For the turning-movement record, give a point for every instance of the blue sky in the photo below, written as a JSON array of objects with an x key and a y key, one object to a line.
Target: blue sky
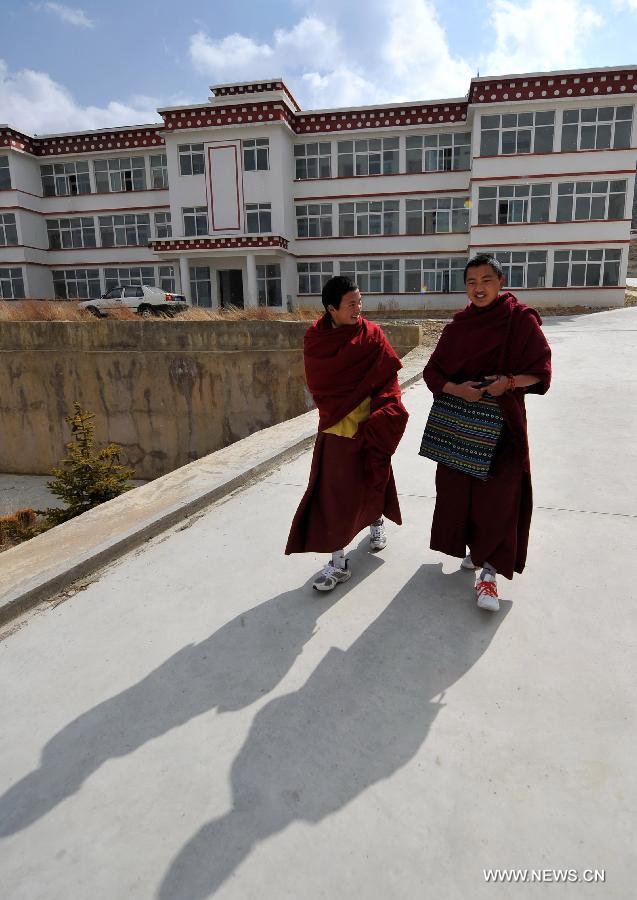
[{"x": 87, "y": 64}]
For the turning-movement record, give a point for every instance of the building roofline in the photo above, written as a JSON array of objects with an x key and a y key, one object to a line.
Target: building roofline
[
  {"x": 446, "y": 101},
  {"x": 595, "y": 70}
]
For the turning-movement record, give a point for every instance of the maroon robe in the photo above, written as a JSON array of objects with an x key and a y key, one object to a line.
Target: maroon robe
[
  {"x": 492, "y": 518},
  {"x": 351, "y": 480}
]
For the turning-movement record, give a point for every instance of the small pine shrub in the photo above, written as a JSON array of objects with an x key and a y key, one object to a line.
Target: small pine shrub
[{"x": 86, "y": 477}]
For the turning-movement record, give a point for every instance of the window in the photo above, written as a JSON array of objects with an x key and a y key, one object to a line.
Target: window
[
  {"x": 529, "y": 132},
  {"x": 73, "y": 284},
  {"x": 586, "y": 268},
  {"x": 5, "y": 173},
  {"x": 167, "y": 278},
  {"x": 376, "y": 156},
  {"x": 258, "y": 218},
  {"x": 163, "y": 226},
  {"x": 127, "y": 173},
  {"x": 63, "y": 179},
  {"x": 523, "y": 269},
  {"x": 508, "y": 204},
  {"x": 66, "y": 233},
  {"x": 256, "y": 154},
  {"x": 379, "y": 276},
  {"x": 439, "y": 152},
  {"x": 191, "y": 159},
  {"x": 200, "y": 287},
  {"x": 597, "y": 129},
  {"x": 128, "y": 230},
  {"x": 11, "y": 284},
  {"x": 313, "y": 160},
  {"x": 269, "y": 285},
  {"x": 583, "y": 200},
  {"x": 313, "y": 275},
  {"x": 8, "y": 230},
  {"x": 441, "y": 275},
  {"x": 368, "y": 217},
  {"x": 158, "y": 171},
  {"x": 195, "y": 220},
  {"x": 437, "y": 215},
  {"x": 314, "y": 220},
  {"x": 137, "y": 275}
]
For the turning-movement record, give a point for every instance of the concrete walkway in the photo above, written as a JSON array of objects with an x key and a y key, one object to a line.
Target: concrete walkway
[{"x": 196, "y": 721}]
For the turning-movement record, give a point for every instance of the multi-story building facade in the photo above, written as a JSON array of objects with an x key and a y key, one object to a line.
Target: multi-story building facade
[{"x": 247, "y": 199}]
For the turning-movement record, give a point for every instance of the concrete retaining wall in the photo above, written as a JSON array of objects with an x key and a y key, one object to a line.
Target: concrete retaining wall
[{"x": 167, "y": 391}]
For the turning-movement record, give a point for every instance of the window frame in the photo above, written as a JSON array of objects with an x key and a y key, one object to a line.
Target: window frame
[
  {"x": 589, "y": 259},
  {"x": 75, "y": 277},
  {"x": 580, "y": 197},
  {"x": 268, "y": 283},
  {"x": 447, "y": 274},
  {"x": 197, "y": 279},
  {"x": 453, "y": 209},
  {"x": 73, "y": 232},
  {"x": 72, "y": 176},
  {"x": 122, "y": 226},
  {"x": 585, "y": 123},
  {"x": 8, "y": 229},
  {"x": 163, "y": 229},
  {"x": 509, "y": 131},
  {"x": 258, "y": 218},
  {"x": 530, "y": 196},
  {"x": 367, "y": 273},
  {"x": 192, "y": 157},
  {"x": 199, "y": 217},
  {"x": 5, "y": 167},
  {"x": 321, "y": 160},
  {"x": 316, "y": 273},
  {"x": 11, "y": 283},
  {"x": 256, "y": 154},
  {"x": 120, "y": 174},
  {"x": 368, "y": 218},
  {"x": 446, "y": 149},
  {"x": 384, "y": 154},
  {"x": 318, "y": 219},
  {"x": 161, "y": 168},
  {"x": 114, "y": 276}
]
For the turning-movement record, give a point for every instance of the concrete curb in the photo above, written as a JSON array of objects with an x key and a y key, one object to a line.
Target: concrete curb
[{"x": 53, "y": 561}]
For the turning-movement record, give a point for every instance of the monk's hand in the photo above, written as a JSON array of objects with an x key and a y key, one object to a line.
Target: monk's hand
[
  {"x": 499, "y": 386},
  {"x": 468, "y": 391}
]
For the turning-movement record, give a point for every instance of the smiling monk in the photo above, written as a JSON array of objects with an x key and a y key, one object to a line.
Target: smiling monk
[
  {"x": 492, "y": 518},
  {"x": 351, "y": 371}
]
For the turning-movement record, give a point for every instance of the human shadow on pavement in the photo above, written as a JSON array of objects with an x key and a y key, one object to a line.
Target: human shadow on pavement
[
  {"x": 237, "y": 665},
  {"x": 361, "y": 716}
]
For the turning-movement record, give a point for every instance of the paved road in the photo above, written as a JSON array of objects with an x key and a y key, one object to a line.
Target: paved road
[{"x": 197, "y": 722}]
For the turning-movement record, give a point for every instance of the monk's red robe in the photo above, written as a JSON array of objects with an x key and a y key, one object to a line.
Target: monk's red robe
[
  {"x": 492, "y": 518},
  {"x": 351, "y": 480}
]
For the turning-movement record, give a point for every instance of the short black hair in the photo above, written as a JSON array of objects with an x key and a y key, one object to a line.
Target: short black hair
[
  {"x": 483, "y": 259},
  {"x": 335, "y": 289}
]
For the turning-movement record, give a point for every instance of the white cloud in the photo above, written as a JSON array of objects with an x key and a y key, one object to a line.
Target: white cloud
[
  {"x": 33, "y": 102},
  {"x": 541, "y": 35},
  {"x": 68, "y": 14},
  {"x": 406, "y": 58}
]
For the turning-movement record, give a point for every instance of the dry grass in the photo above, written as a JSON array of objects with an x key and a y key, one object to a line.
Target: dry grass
[
  {"x": 69, "y": 311},
  {"x": 21, "y": 526},
  {"x": 631, "y": 298}
]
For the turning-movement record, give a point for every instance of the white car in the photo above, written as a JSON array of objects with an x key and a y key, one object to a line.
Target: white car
[{"x": 144, "y": 298}]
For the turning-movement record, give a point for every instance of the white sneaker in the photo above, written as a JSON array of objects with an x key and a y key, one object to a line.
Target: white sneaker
[
  {"x": 377, "y": 536},
  {"x": 467, "y": 563},
  {"x": 330, "y": 576},
  {"x": 487, "y": 593}
]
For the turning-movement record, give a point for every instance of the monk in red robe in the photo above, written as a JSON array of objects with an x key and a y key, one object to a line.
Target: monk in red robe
[
  {"x": 351, "y": 371},
  {"x": 492, "y": 518}
]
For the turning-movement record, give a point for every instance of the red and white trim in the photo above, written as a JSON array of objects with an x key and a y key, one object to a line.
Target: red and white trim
[{"x": 170, "y": 245}]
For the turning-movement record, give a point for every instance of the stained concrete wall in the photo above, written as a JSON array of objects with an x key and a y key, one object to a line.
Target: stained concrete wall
[{"x": 168, "y": 392}]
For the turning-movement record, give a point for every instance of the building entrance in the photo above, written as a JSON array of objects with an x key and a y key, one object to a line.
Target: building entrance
[{"x": 230, "y": 288}]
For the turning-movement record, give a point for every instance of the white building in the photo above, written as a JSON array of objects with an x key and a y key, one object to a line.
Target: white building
[{"x": 247, "y": 199}]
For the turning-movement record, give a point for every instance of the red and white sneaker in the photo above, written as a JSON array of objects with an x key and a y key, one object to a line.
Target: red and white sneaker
[{"x": 487, "y": 593}]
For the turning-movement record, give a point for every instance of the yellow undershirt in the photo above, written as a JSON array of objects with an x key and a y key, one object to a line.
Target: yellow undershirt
[{"x": 348, "y": 426}]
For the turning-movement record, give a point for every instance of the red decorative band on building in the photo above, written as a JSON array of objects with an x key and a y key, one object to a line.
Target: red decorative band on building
[
  {"x": 258, "y": 87},
  {"x": 222, "y": 243},
  {"x": 548, "y": 87},
  {"x": 408, "y": 114},
  {"x": 147, "y": 136},
  {"x": 212, "y": 116}
]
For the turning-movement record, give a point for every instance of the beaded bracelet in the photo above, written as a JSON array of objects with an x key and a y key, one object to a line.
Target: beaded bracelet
[{"x": 510, "y": 383}]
